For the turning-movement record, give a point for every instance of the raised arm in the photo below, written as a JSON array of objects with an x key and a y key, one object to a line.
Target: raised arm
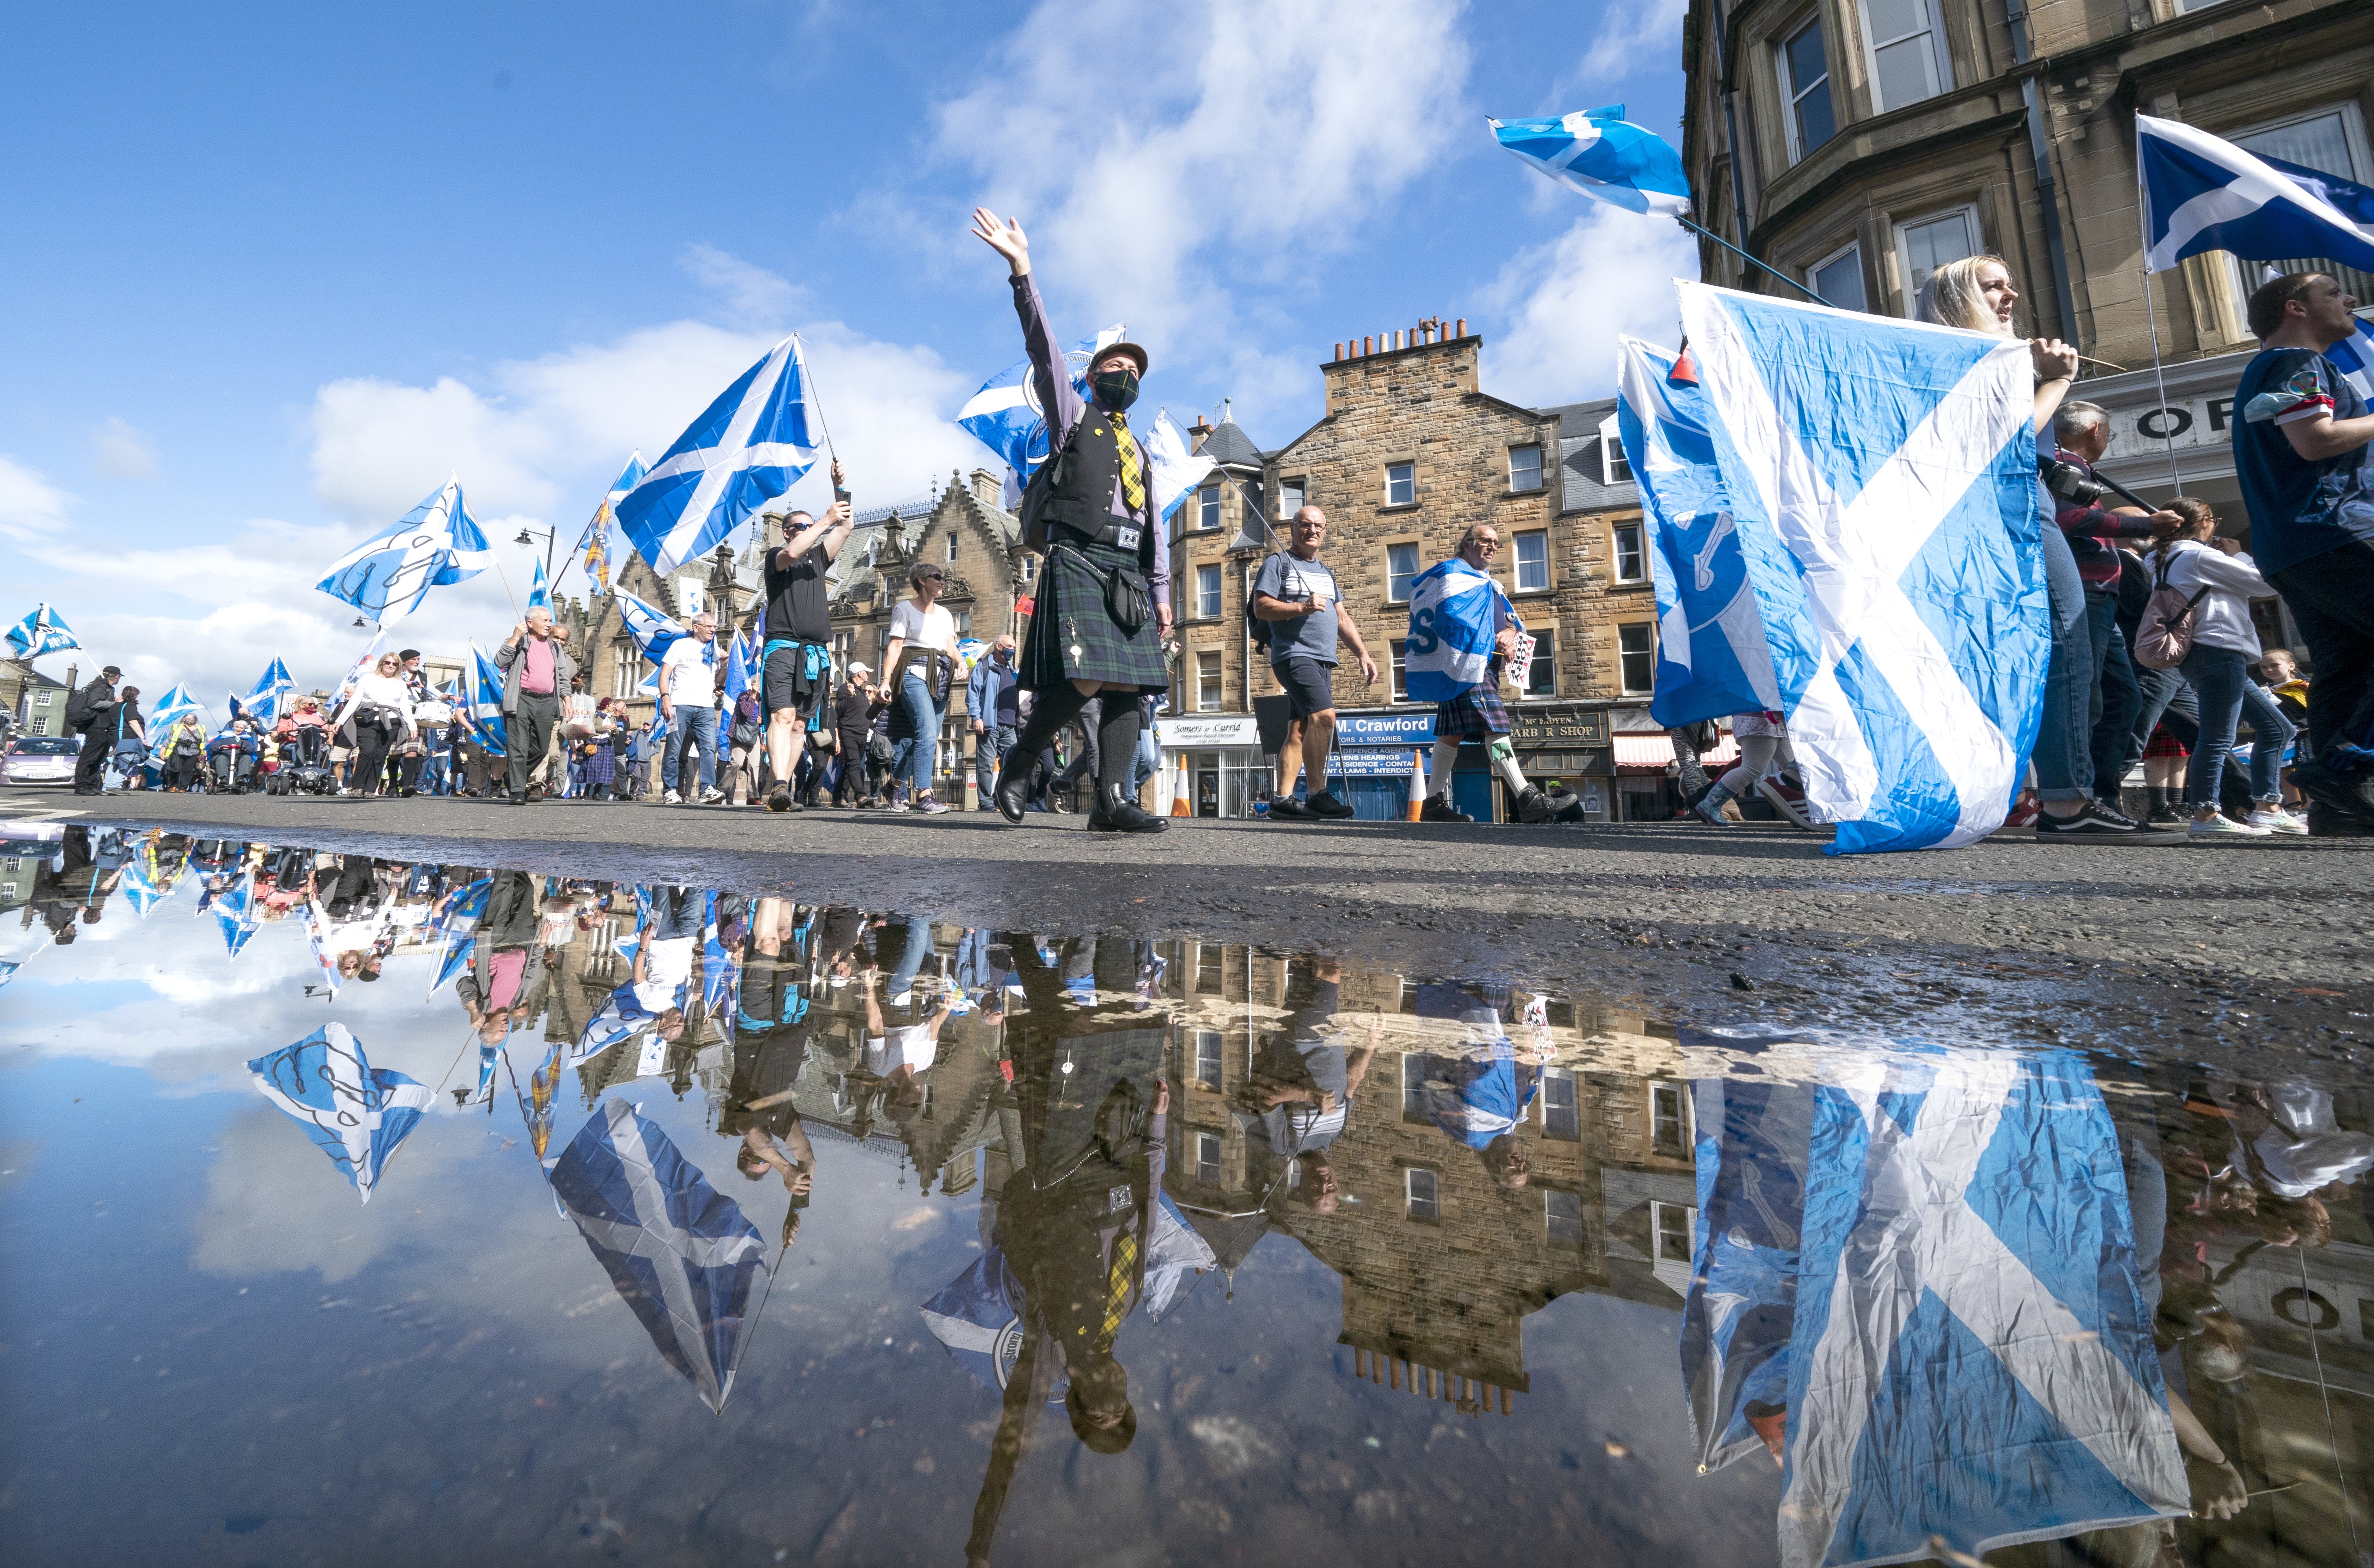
[{"x": 1049, "y": 376}]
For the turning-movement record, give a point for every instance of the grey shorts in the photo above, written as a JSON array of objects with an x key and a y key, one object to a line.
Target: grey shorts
[{"x": 1309, "y": 685}]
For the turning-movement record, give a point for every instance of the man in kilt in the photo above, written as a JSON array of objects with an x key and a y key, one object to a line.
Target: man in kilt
[
  {"x": 1103, "y": 604},
  {"x": 1475, "y": 712}
]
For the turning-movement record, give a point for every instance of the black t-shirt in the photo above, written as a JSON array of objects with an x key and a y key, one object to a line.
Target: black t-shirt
[
  {"x": 848, "y": 710},
  {"x": 798, "y": 601}
]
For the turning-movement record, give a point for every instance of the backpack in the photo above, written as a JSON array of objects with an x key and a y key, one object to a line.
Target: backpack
[
  {"x": 79, "y": 713},
  {"x": 1255, "y": 627},
  {"x": 2164, "y": 635}
]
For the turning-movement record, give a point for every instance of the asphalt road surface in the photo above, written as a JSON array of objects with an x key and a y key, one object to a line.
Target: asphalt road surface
[{"x": 2219, "y": 952}]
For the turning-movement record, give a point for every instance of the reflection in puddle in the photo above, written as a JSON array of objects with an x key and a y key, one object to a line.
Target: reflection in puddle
[{"x": 1065, "y": 1247}]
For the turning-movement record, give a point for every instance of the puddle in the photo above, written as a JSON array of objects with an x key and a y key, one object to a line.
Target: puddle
[{"x": 389, "y": 1212}]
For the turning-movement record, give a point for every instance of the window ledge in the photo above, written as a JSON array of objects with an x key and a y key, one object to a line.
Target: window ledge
[
  {"x": 1525, "y": 495},
  {"x": 1629, "y": 581},
  {"x": 1401, "y": 507},
  {"x": 1531, "y": 592}
]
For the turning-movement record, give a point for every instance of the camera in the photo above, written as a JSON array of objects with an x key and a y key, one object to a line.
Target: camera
[{"x": 2069, "y": 481}]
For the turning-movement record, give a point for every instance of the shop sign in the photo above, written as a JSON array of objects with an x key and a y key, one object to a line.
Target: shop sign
[
  {"x": 1219, "y": 729},
  {"x": 1414, "y": 728},
  {"x": 1533, "y": 728},
  {"x": 1373, "y": 762}
]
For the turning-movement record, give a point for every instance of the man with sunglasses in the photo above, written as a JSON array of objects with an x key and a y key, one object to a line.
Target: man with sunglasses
[{"x": 1474, "y": 711}]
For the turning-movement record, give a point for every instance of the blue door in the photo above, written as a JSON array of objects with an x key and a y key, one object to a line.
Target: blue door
[{"x": 1471, "y": 791}]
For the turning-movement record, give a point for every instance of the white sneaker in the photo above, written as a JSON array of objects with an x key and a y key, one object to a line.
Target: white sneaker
[
  {"x": 2222, "y": 825},
  {"x": 2276, "y": 820},
  {"x": 672, "y": 797},
  {"x": 711, "y": 797}
]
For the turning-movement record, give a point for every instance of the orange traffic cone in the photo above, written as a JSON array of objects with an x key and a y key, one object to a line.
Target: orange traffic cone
[
  {"x": 1417, "y": 784},
  {"x": 1179, "y": 806}
]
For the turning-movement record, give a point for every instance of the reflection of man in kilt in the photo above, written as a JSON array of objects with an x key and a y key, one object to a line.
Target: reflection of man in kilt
[{"x": 1103, "y": 602}]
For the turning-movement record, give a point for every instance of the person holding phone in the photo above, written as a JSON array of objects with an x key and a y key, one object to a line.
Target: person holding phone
[
  {"x": 797, "y": 663},
  {"x": 920, "y": 657}
]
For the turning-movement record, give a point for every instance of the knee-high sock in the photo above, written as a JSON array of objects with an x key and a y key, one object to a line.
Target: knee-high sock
[
  {"x": 1506, "y": 767},
  {"x": 1117, "y": 746},
  {"x": 1446, "y": 758},
  {"x": 1051, "y": 710}
]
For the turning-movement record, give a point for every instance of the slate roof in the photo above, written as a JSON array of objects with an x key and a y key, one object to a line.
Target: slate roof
[
  {"x": 1579, "y": 460},
  {"x": 1228, "y": 444}
]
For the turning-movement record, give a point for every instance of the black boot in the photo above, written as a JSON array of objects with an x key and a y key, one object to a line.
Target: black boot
[
  {"x": 1011, "y": 792},
  {"x": 1117, "y": 810}
]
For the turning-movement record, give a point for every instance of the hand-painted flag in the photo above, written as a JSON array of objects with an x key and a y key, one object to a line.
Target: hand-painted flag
[
  {"x": 1453, "y": 619},
  {"x": 748, "y": 447},
  {"x": 651, "y": 631},
  {"x": 41, "y": 631},
  {"x": 1600, "y": 153},
  {"x": 1712, "y": 660},
  {"x": 1004, "y": 414},
  {"x": 2201, "y": 193},
  {"x": 1881, "y": 476},
  {"x": 680, "y": 1254},
  {"x": 435, "y": 545},
  {"x": 355, "y": 1112}
]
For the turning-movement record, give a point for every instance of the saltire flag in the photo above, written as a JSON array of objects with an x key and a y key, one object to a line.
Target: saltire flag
[
  {"x": 748, "y": 447},
  {"x": 1883, "y": 477},
  {"x": 1004, "y": 414},
  {"x": 343, "y": 698},
  {"x": 270, "y": 695},
  {"x": 435, "y": 545},
  {"x": 2353, "y": 358},
  {"x": 485, "y": 704},
  {"x": 235, "y": 914},
  {"x": 355, "y": 1112},
  {"x": 1455, "y": 611},
  {"x": 1969, "y": 1355},
  {"x": 1175, "y": 1251},
  {"x": 1600, "y": 153},
  {"x": 8, "y": 967},
  {"x": 315, "y": 944},
  {"x": 141, "y": 886},
  {"x": 1711, "y": 658},
  {"x": 596, "y": 543},
  {"x": 720, "y": 964},
  {"x": 651, "y": 632},
  {"x": 977, "y": 1318},
  {"x": 539, "y": 593},
  {"x": 451, "y": 959},
  {"x": 41, "y": 631},
  {"x": 2201, "y": 193},
  {"x": 173, "y": 704},
  {"x": 1477, "y": 1090},
  {"x": 741, "y": 665},
  {"x": 680, "y": 1254},
  {"x": 1177, "y": 472},
  {"x": 488, "y": 1057}
]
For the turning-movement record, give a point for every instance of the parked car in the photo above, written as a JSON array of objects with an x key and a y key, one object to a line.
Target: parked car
[{"x": 39, "y": 759}]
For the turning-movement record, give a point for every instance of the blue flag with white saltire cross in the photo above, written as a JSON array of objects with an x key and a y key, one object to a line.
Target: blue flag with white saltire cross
[
  {"x": 2201, "y": 193},
  {"x": 747, "y": 447},
  {"x": 651, "y": 631},
  {"x": 1882, "y": 475},
  {"x": 236, "y": 914},
  {"x": 355, "y": 1112},
  {"x": 486, "y": 703},
  {"x": 270, "y": 693},
  {"x": 1454, "y": 616},
  {"x": 42, "y": 630},
  {"x": 435, "y": 545},
  {"x": 1600, "y": 153},
  {"x": 1712, "y": 661},
  {"x": 1004, "y": 414},
  {"x": 680, "y": 1253},
  {"x": 170, "y": 706},
  {"x": 539, "y": 593}
]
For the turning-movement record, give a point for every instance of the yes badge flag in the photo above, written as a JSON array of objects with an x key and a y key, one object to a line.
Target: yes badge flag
[
  {"x": 42, "y": 631},
  {"x": 435, "y": 545},
  {"x": 1712, "y": 660},
  {"x": 2201, "y": 193},
  {"x": 539, "y": 593},
  {"x": 747, "y": 447},
  {"x": 1455, "y": 614},
  {"x": 1600, "y": 153},
  {"x": 1882, "y": 475},
  {"x": 1177, "y": 471},
  {"x": 1004, "y": 414},
  {"x": 681, "y": 1255},
  {"x": 356, "y": 1113},
  {"x": 651, "y": 631},
  {"x": 487, "y": 702}
]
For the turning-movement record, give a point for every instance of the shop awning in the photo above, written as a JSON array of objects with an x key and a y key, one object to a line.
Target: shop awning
[{"x": 1654, "y": 753}]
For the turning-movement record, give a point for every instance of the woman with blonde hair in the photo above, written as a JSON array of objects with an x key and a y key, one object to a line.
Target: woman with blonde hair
[{"x": 1975, "y": 294}]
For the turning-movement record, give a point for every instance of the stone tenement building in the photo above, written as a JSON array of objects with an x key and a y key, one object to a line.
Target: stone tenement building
[
  {"x": 1408, "y": 453},
  {"x": 1876, "y": 141}
]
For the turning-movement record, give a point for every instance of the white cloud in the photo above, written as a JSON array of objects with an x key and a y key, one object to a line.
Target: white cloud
[
  {"x": 123, "y": 449},
  {"x": 1257, "y": 138},
  {"x": 1563, "y": 303},
  {"x": 30, "y": 506},
  {"x": 1624, "y": 42},
  {"x": 753, "y": 295}
]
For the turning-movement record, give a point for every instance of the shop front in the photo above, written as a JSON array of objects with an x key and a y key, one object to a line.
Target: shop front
[
  {"x": 1213, "y": 762},
  {"x": 1566, "y": 745}
]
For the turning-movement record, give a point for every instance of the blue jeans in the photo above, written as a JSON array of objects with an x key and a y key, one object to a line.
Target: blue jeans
[
  {"x": 2064, "y": 741},
  {"x": 2218, "y": 678},
  {"x": 989, "y": 749},
  {"x": 2117, "y": 696},
  {"x": 916, "y": 757},
  {"x": 694, "y": 726},
  {"x": 1148, "y": 762}
]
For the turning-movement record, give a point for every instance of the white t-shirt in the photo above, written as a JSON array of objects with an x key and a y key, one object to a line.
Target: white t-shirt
[
  {"x": 695, "y": 678},
  {"x": 934, "y": 628},
  {"x": 902, "y": 1045}
]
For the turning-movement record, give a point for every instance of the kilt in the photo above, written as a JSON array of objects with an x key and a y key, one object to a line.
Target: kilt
[
  {"x": 1073, "y": 638},
  {"x": 601, "y": 766},
  {"x": 1476, "y": 714},
  {"x": 2162, "y": 743}
]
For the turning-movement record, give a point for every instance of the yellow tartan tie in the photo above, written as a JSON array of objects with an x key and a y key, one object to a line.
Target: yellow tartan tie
[
  {"x": 1132, "y": 475},
  {"x": 1117, "y": 1282}
]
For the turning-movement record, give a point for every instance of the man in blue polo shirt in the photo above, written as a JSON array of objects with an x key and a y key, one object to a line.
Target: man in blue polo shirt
[{"x": 2301, "y": 452}]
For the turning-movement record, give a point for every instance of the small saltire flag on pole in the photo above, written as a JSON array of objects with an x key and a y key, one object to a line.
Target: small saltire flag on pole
[
  {"x": 172, "y": 704},
  {"x": 270, "y": 695},
  {"x": 435, "y": 545},
  {"x": 358, "y": 1112},
  {"x": 42, "y": 631},
  {"x": 1883, "y": 478},
  {"x": 2201, "y": 193},
  {"x": 1600, "y": 153},
  {"x": 236, "y": 914},
  {"x": 596, "y": 541},
  {"x": 680, "y": 1253},
  {"x": 1177, "y": 471},
  {"x": 748, "y": 447},
  {"x": 1711, "y": 658},
  {"x": 1004, "y": 414},
  {"x": 741, "y": 665},
  {"x": 539, "y": 593},
  {"x": 487, "y": 702},
  {"x": 651, "y": 632}
]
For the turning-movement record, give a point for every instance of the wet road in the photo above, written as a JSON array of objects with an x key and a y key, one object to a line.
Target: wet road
[{"x": 2219, "y": 952}]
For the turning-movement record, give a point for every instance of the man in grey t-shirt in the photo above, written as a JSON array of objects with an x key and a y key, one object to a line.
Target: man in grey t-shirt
[{"x": 1297, "y": 596}]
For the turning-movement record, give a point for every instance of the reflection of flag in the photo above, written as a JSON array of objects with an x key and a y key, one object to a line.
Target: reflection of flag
[
  {"x": 747, "y": 447},
  {"x": 1176, "y": 1251},
  {"x": 680, "y": 1254},
  {"x": 355, "y": 1112},
  {"x": 1600, "y": 153},
  {"x": 435, "y": 545},
  {"x": 540, "y": 1086},
  {"x": 235, "y": 914},
  {"x": 977, "y": 1318},
  {"x": 721, "y": 964},
  {"x": 1004, "y": 414},
  {"x": 8, "y": 967}
]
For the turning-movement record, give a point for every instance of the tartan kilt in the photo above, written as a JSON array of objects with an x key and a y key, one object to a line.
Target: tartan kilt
[
  {"x": 601, "y": 766},
  {"x": 1476, "y": 714},
  {"x": 1074, "y": 638}
]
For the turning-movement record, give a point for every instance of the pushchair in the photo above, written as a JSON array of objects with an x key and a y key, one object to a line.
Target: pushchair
[{"x": 304, "y": 762}]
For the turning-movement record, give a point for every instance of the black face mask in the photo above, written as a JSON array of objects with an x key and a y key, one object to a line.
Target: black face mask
[{"x": 1115, "y": 389}]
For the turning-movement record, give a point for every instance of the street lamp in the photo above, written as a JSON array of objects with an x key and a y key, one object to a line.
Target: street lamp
[{"x": 524, "y": 538}]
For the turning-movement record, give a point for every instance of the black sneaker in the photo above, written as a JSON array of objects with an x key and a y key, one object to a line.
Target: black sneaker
[
  {"x": 1326, "y": 805},
  {"x": 2342, "y": 795},
  {"x": 1533, "y": 806},
  {"x": 1437, "y": 808},
  {"x": 1286, "y": 806},
  {"x": 2090, "y": 821},
  {"x": 779, "y": 799},
  {"x": 2109, "y": 812},
  {"x": 2166, "y": 816}
]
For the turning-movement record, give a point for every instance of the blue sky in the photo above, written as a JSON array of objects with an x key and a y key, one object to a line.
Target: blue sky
[{"x": 275, "y": 271}]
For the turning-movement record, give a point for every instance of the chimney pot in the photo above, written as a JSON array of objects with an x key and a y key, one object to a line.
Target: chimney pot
[
  {"x": 1462, "y": 327},
  {"x": 1367, "y": 345},
  {"x": 1339, "y": 353}
]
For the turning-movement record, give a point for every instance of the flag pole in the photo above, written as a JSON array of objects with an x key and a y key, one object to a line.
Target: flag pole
[
  {"x": 816, "y": 397},
  {"x": 2151, "y": 311},
  {"x": 1776, "y": 272}
]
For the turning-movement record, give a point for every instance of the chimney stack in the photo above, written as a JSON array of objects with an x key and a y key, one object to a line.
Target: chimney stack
[
  {"x": 1339, "y": 353},
  {"x": 1462, "y": 327}
]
